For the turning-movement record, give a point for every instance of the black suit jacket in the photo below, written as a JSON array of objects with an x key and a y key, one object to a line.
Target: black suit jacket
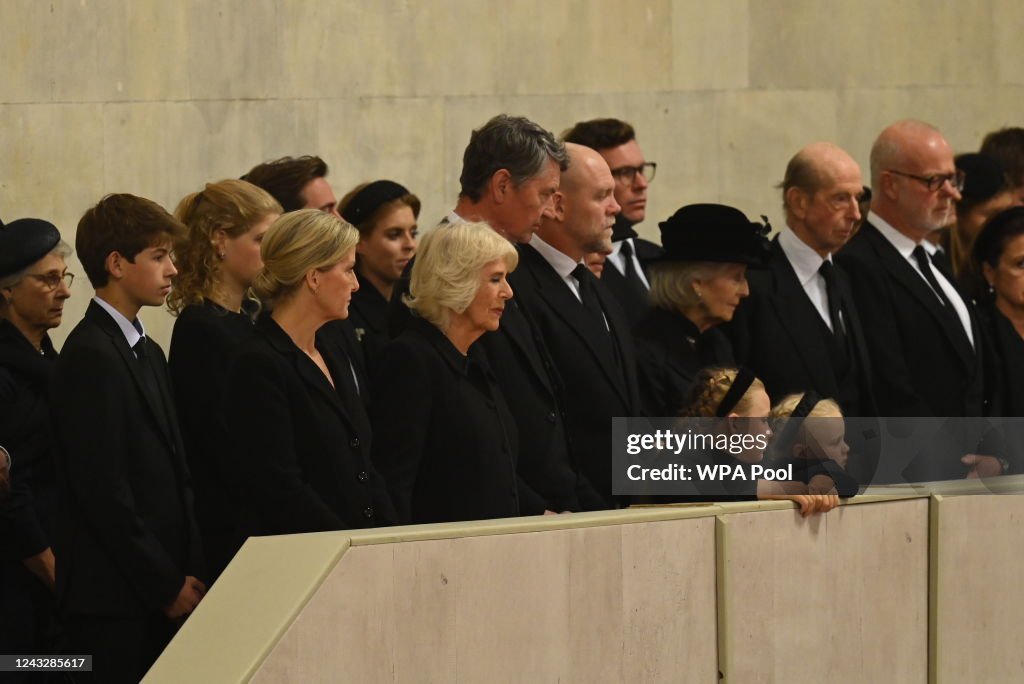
[
  {"x": 126, "y": 535},
  {"x": 778, "y": 334},
  {"x": 595, "y": 390},
  {"x": 615, "y": 281},
  {"x": 301, "y": 448},
  {"x": 446, "y": 441},
  {"x": 921, "y": 364},
  {"x": 205, "y": 339}
]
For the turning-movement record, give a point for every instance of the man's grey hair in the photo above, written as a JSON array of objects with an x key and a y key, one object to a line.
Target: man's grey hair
[{"x": 513, "y": 143}]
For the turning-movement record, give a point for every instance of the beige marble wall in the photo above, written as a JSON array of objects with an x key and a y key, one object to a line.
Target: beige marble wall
[{"x": 156, "y": 98}]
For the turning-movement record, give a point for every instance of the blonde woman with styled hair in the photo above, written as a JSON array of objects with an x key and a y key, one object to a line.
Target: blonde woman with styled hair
[
  {"x": 299, "y": 457},
  {"x": 217, "y": 262},
  {"x": 446, "y": 441}
]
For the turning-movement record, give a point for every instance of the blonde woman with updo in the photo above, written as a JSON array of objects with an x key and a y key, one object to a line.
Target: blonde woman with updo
[
  {"x": 736, "y": 403},
  {"x": 216, "y": 265},
  {"x": 446, "y": 439},
  {"x": 300, "y": 436}
]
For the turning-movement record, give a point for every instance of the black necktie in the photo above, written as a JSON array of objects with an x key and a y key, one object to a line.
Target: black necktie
[
  {"x": 588, "y": 296},
  {"x": 636, "y": 283},
  {"x": 921, "y": 257},
  {"x": 828, "y": 273}
]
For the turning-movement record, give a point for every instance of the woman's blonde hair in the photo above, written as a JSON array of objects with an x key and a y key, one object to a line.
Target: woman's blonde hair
[
  {"x": 709, "y": 389},
  {"x": 672, "y": 283},
  {"x": 232, "y": 206},
  {"x": 297, "y": 243},
  {"x": 446, "y": 274}
]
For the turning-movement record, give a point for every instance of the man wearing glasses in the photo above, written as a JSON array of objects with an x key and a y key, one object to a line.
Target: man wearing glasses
[
  {"x": 625, "y": 275},
  {"x": 921, "y": 331}
]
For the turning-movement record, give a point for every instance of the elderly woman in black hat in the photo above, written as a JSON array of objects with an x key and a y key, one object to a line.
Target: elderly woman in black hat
[
  {"x": 34, "y": 283},
  {"x": 999, "y": 256},
  {"x": 695, "y": 286}
]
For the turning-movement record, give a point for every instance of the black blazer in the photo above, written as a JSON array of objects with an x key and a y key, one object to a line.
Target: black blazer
[
  {"x": 1007, "y": 367},
  {"x": 778, "y": 334},
  {"x": 615, "y": 281},
  {"x": 595, "y": 390},
  {"x": 126, "y": 536},
  {"x": 670, "y": 352},
  {"x": 368, "y": 317},
  {"x": 300, "y": 451},
  {"x": 26, "y": 516},
  {"x": 205, "y": 338},
  {"x": 446, "y": 441},
  {"x": 920, "y": 364},
  {"x": 531, "y": 386}
]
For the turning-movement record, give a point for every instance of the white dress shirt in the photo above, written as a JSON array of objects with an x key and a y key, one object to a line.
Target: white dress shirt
[
  {"x": 807, "y": 264},
  {"x": 905, "y": 246},
  {"x": 128, "y": 329},
  {"x": 563, "y": 265},
  {"x": 618, "y": 260}
]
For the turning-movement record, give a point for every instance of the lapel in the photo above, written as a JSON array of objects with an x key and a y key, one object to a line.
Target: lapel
[
  {"x": 307, "y": 371},
  {"x": 561, "y": 301},
  {"x": 801, "y": 320},
  {"x": 901, "y": 271},
  {"x": 108, "y": 325},
  {"x": 516, "y": 326}
]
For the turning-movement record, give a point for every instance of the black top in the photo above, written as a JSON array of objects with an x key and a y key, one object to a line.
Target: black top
[
  {"x": 670, "y": 352},
  {"x": 26, "y": 517},
  {"x": 205, "y": 338},
  {"x": 1008, "y": 348},
  {"x": 446, "y": 441},
  {"x": 300, "y": 448},
  {"x": 368, "y": 315}
]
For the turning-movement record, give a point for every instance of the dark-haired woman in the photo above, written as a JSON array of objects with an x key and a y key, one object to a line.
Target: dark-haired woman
[
  {"x": 999, "y": 257},
  {"x": 385, "y": 215}
]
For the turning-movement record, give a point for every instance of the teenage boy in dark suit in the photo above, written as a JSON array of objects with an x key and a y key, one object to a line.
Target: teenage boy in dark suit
[{"x": 128, "y": 553}]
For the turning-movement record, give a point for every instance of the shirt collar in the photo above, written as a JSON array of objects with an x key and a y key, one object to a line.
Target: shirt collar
[
  {"x": 904, "y": 245},
  {"x": 563, "y": 265},
  {"x": 454, "y": 218},
  {"x": 804, "y": 260},
  {"x": 132, "y": 330}
]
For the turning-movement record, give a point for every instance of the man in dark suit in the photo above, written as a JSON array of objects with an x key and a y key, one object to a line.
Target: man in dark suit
[
  {"x": 625, "y": 273},
  {"x": 799, "y": 330},
  {"x": 296, "y": 183},
  {"x": 128, "y": 550},
  {"x": 921, "y": 332},
  {"x": 581, "y": 322}
]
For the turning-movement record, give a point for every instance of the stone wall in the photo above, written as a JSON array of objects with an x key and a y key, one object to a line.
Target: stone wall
[{"x": 156, "y": 98}]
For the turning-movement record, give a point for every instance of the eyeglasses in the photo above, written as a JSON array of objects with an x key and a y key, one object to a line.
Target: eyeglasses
[
  {"x": 955, "y": 179},
  {"x": 627, "y": 174},
  {"x": 51, "y": 281}
]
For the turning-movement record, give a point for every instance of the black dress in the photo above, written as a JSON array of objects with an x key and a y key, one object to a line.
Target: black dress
[
  {"x": 26, "y": 517},
  {"x": 670, "y": 352},
  {"x": 204, "y": 339},
  {"x": 368, "y": 315},
  {"x": 446, "y": 440}
]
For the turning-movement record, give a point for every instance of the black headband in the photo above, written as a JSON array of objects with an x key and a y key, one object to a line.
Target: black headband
[
  {"x": 744, "y": 379},
  {"x": 370, "y": 198},
  {"x": 802, "y": 409}
]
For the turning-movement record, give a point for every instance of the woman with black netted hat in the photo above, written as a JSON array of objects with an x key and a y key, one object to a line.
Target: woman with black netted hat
[{"x": 695, "y": 286}]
